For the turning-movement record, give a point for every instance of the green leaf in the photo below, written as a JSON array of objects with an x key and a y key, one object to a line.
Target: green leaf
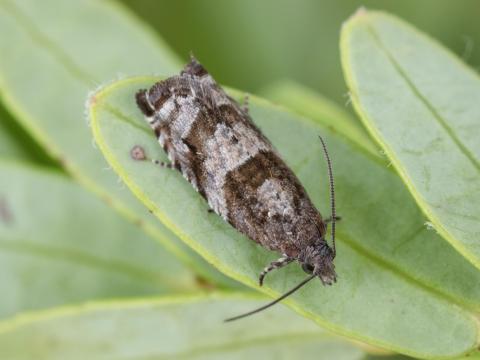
[
  {"x": 169, "y": 328},
  {"x": 390, "y": 293},
  {"x": 60, "y": 244},
  {"x": 307, "y": 102},
  {"x": 423, "y": 106},
  {"x": 51, "y": 60}
]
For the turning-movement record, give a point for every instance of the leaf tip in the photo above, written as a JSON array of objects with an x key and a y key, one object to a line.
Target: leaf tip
[
  {"x": 359, "y": 14},
  {"x": 90, "y": 102},
  {"x": 361, "y": 11}
]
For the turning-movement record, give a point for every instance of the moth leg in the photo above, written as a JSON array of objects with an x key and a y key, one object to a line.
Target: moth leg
[
  {"x": 277, "y": 264},
  {"x": 163, "y": 164},
  {"x": 138, "y": 153},
  {"x": 210, "y": 211},
  {"x": 244, "y": 106}
]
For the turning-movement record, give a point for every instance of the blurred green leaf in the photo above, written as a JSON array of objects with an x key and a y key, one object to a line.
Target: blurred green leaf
[
  {"x": 308, "y": 103},
  {"x": 251, "y": 43},
  {"x": 390, "y": 293},
  {"x": 423, "y": 107},
  {"x": 54, "y": 54},
  {"x": 60, "y": 244},
  {"x": 169, "y": 328}
]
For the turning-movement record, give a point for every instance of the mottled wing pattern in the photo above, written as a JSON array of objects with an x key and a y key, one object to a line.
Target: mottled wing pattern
[{"x": 221, "y": 152}]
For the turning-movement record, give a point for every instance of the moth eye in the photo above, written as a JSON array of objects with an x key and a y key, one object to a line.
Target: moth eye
[{"x": 307, "y": 268}]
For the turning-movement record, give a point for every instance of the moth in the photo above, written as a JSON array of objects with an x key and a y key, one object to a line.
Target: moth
[{"x": 214, "y": 143}]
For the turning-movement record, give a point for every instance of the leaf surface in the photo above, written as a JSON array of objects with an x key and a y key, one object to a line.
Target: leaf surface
[
  {"x": 310, "y": 104},
  {"x": 60, "y": 244},
  {"x": 423, "y": 107},
  {"x": 389, "y": 292},
  {"x": 180, "y": 328}
]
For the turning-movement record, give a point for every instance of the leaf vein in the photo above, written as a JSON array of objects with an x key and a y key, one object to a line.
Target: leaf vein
[
  {"x": 443, "y": 123},
  {"x": 75, "y": 256},
  {"x": 49, "y": 45}
]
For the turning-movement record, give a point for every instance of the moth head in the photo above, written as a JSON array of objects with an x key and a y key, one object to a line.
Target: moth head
[
  {"x": 194, "y": 68},
  {"x": 318, "y": 260}
]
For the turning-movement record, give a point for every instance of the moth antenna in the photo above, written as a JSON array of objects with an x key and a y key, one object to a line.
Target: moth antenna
[
  {"x": 332, "y": 193},
  {"x": 264, "y": 307}
]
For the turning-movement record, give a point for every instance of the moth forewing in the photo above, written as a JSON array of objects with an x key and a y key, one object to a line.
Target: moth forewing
[{"x": 214, "y": 143}]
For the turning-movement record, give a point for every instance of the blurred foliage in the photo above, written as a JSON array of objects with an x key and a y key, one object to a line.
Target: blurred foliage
[
  {"x": 47, "y": 259},
  {"x": 250, "y": 43},
  {"x": 191, "y": 328}
]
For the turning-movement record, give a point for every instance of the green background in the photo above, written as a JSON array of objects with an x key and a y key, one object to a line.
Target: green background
[{"x": 249, "y": 43}]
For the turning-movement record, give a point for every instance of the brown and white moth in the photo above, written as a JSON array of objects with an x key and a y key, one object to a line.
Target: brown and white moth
[{"x": 213, "y": 142}]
